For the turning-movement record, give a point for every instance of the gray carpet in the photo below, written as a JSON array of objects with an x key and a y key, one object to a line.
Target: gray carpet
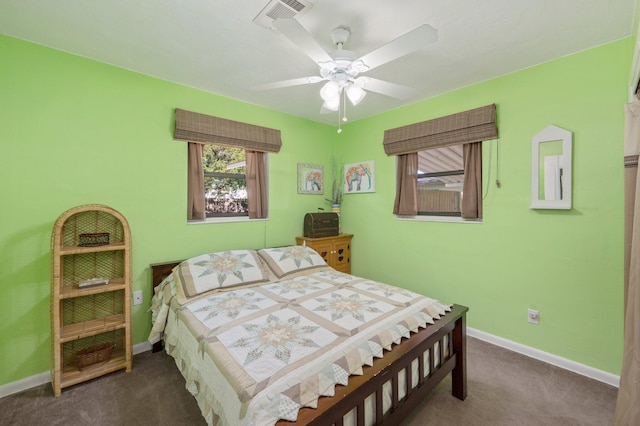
[{"x": 505, "y": 388}]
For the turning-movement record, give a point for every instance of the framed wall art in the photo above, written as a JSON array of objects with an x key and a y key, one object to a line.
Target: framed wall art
[
  {"x": 360, "y": 177},
  {"x": 310, "y": 179}
]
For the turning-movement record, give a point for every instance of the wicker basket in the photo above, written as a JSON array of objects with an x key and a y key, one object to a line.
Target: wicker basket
[{"x": 94, "y": 355}]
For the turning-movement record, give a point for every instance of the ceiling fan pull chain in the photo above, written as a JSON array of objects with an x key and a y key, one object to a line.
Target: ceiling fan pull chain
[
  {"x": 339, "y": 113},
  {"x": 344, "y": 106}
]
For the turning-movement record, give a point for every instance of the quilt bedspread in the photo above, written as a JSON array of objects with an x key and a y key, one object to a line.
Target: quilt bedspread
[{"x": 280, "y": 345}]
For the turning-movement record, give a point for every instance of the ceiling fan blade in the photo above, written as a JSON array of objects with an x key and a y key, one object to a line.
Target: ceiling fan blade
[
  {"x": 288, "y": 83},
  {"x": 413, "y": 40},
  {"x": 387, "y": 88},
  {"x": 296, "y": 33}
]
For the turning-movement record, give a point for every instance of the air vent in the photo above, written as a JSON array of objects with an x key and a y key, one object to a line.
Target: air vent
[
  {"x": 295, "y": 5},
  {"x": 279, "y": 9}
]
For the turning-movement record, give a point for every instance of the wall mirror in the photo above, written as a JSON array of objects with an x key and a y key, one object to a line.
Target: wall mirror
[{"x": 551, "y": 169}]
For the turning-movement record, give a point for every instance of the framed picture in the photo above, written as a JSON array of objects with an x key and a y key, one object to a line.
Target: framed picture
[
  {"x": 310, "y": 179},
  {"x": 360, "y": 177}
]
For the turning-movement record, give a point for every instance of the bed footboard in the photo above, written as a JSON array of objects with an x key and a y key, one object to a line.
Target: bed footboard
[{"x": 447, "y": 337}]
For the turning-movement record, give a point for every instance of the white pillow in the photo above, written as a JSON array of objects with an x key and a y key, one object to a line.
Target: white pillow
[
  {"x": 217, "y": 270},
  {"x": 284, "y": 261}
]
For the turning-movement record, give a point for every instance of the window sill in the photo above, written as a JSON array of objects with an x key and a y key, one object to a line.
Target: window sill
[
  {"x": 224, "y": 219},
  {"x": 453, "y": 219}
]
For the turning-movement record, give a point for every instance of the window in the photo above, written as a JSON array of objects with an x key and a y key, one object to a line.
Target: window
[
  {"x": 442, "y": 156},
  {"x": 229, "y": 181},
  {"x": 440, "y": 181},
  {"x": 443, "y": 181},
  {"x": 225, "y": 181}
]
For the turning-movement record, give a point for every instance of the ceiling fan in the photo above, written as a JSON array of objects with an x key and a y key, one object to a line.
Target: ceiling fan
[{"x": 341, "y": 68}]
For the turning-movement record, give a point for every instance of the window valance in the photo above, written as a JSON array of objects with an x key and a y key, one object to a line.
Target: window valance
[
  {"x": 202, "y": 128},
  {"x": 470, "y": 126}
]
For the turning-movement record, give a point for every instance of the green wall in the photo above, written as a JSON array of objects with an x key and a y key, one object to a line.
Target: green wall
[
  {"x": 566, "y": 264},
  {"x": 74, "y": 131}
]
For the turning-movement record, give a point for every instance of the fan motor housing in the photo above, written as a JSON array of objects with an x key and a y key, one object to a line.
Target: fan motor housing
[{"x": 340, "y": 35}]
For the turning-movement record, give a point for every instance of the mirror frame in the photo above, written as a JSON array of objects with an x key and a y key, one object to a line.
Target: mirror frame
[{"x": 550, "y": 134}]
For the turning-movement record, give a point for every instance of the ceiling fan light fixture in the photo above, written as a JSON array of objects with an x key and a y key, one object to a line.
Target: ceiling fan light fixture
[
  {"x": 330, "y": 91},
  {"x": 332, "y": 104},
  {"x": 355, "y": 94}
]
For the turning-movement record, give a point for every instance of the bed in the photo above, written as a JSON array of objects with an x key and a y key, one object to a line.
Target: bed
[{"x": 347, "y": 350}]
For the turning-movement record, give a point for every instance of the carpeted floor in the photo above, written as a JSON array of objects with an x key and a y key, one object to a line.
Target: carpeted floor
[{"x": 504, "y": 388}]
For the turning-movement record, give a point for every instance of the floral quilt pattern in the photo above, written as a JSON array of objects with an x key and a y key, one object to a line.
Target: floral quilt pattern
[
  {"x": 217, "y": 270},
  {"x": 218, "y": 310},
  {"x": 280, "y": 345},
  {"x": 296, "y": 287},
  {"x": 285, "y": 261},
  {"x": 223, "y": 265}
]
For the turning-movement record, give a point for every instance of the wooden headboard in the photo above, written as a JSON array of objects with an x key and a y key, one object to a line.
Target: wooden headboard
[{"x": 160, "y": 271}]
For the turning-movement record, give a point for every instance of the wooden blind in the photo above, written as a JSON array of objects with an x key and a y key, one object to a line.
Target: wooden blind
[
  {"x": 631, "y": 161},
  {"x": 207, "y": 129},
  {"x": 470, "y": 126}
]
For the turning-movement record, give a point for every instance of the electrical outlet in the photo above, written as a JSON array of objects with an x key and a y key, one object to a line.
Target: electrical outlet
[
  {"x": 137, "y": 297},
  {"x": 533, "y": 316}
]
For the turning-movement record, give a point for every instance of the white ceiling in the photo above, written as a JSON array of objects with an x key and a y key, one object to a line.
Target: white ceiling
[{"x": 213, "y": 45}]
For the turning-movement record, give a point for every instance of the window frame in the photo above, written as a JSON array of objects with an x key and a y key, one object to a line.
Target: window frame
[
  {"x": 235, "y": 217},
  {"x": 440, "y": 216},
  {"x": 447, "y": 219},
  {"x": 472, "y": 127},
  {"x": 197, "y": 128}
]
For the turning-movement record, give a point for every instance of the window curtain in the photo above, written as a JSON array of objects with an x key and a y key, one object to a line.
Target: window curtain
[
  {"x": 407, "y": 185},
  {"x": 472, "y": 187},
  {"x": 195, "y": 127},
  {"x": 475, "y": 125},
  {"x": 195, "y": 183},
  {"x": 198, "y": 129},
  {"x": 469, "y": 128},
  {"x": 627, "y": 410},
  {"x": 256, "y": 185}
]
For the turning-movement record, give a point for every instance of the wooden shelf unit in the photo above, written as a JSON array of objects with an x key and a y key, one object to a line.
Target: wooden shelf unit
[
  {"x": 71, "y": 375},
  {"x": 85, "y": 317},
  {"x": 336, "y": 251},
  {"x": 75, "y": 291},
  {"x": 91, "y": 328},
  {"x": 95, "y": 249}
]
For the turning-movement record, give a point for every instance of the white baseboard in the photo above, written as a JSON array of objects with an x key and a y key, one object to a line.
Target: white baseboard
[
  {"x": 583, "y": 370},
  {"x": 23, "y": 384},
  {"x": 42, "y": 378},
  {"x": 141, "y": 347}
]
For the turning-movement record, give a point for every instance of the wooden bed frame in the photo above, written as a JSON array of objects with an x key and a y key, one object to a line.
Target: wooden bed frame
[{"x": 452, "y": 355}]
